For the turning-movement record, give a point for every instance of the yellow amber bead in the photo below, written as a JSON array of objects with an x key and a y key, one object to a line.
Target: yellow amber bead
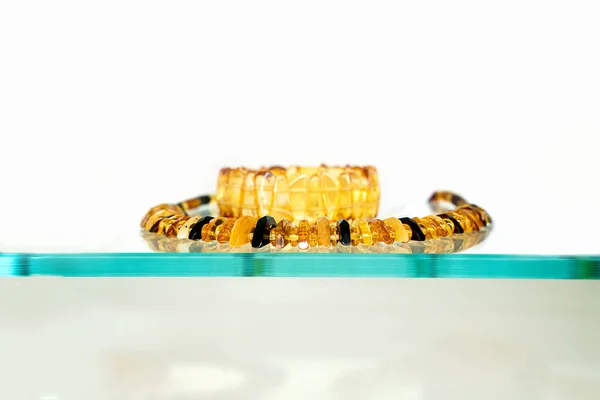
[
  {"x": 428, "y": 228},
  {"x": 224, "y": 232},
  {"x": 291, "y": 233},
  {"x": 473, "y": 215},
  {"x": 164, "y": 209},
  {"x": 165, "y": 223},
  {"x": 334, "y": 234},
  {"x": 313, "y": 235},
  {"x": 173, "y": 229},
  {"x": 401, "y": 233},
  {"x": 278, "y": 235},
  {"x": 323, "y": 232},
  {"x": 381, "y": 233},
  {"x": 440, "y": 225},
  {"x": 449, "y": 225},
  {"x": 210, "y": 230},
  {"x": 354, "y": 235},
  {"x": 465, "y": 222},
  {"x": 470, "y": 219},
  {"x": 184, "y": 230},
  {"x": 155, "y": 217},
  {"x": 244, "y": 225},
  {"x": 303, "y": 234},
  {"x": 364, "y": 230}
]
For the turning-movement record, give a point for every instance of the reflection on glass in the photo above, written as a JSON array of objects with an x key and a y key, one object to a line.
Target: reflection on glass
[{"x": 446, "y": 245}]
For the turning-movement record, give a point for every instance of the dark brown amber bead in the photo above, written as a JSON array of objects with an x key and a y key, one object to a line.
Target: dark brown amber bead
[
  {"x": 264, "y": 225},
  {"x": 344, "y": 232},
  {"x": 196, "y": 230}
]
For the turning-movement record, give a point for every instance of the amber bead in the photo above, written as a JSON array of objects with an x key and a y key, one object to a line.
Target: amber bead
[
  {"x": 303, "y": 226},
  {"x": 151, "y": 223},
  {"x": 381, "y": 233},
  {"x": 364, "y": 231},
  {"x": 313, "y": 235},
  {"x": 196, "y": 232},
  {"x": 263, "y": 227},
  {"x": 278, "y": 235},
  {"x": 165, "y": 223},
  {"x": 464, "y": 221},
  {"x": 344, "y": 232},
  {"x": 334, "y": 233},
  {"x": 442, "y": 228},
  {"x": 417, "y": 233},
  {"x": 426, "y": 227},
  {"x": 224, "y": 232},
  {"x": 173, "y": 229},
  {"x": 162, "y": 209},
  {"x": 354, "y": 235},
  {"x": 401, "y": 234},
  {"x": 470, "y": 218},
  {"x": 184, "y": 230},
  {"x": 244, "y": 225},
  {"x": 484, "y": 214},
  {"x": 291, "y": 233},
  {"x": 452, "y": 222},
  {"x": 323, "y": 232},
  {"x": 209, "y": 231}
]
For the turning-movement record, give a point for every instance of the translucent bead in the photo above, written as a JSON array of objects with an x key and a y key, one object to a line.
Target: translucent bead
[
  {"x": 163, "y": 209},
  {"x": 210, "y": 230},
  {"x": 313, "y": 235},
  {"x": 439, "y": 225},
  {"x": 303, "y": 234},
  {"x": 323, "y": 232},
  {"x": 184, "y": 230},
  {"x": 364, "y": 230},
  {"x": 165, "y": 223},
  {"x": 173, "y": 229},
  {"x": 150, "y": 224},
  {"x": 291, "y": 232},
  {"x": 334, "y": 234},
  {"x": 224, "y": 232},
  {"x": 278, "y": 235},
  {"x": 244, "y": 225},
  {"x": 354, "y": 235},
  {"x": 381, "y": 233},
  {"x": 400, "y": 232}
]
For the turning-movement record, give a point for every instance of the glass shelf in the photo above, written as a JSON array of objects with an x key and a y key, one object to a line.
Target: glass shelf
[{"x": 301, "y": 265}]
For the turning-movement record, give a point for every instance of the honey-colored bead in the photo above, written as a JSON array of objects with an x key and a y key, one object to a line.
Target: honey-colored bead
[
  {"x": 164, "y": 209},
  {"x": 323, "y": 232},
  {"x": 473, "y": 215},
  {"x": 441, "y": 227},
  {"x": 381, "y": 233},
  {"x": 151, "y": 221},
  {"x": 408, "y": 230},
  {"x": 166, "y": 222},
  {"x": 334, "y": 234},
  {"x": 448, "y": 225},
  {"x": 401, "y": 233},
  {"x": 465, "y": 222},
  {"x": 278, "y": 235},
  {"x": 470, "y": 219},
  {"x": 427, "y": 227},
  {"x": 313, "y": 235},
  {"x": 291, "y": 233},
  {"x": 210, "y": 230},
  {"x": 242, "y": 228},
  {"x": 173, "y": 229},
  {"x": 354, "y": 235},
  {"x": 184, "y": 230},
  {"x": 364, "y": 230},
  {"x": 303, "y": 234},
  {"x": 224, "y": 232}
]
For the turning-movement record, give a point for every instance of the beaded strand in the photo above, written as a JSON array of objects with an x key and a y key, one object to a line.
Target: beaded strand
[{"x": 455, "y": 216}]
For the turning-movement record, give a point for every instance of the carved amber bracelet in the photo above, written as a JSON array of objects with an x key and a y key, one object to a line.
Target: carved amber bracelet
[{"x": 178, "y": 220}]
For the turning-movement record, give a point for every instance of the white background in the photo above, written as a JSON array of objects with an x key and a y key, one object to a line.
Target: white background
[{"x": 108, "y": 108}]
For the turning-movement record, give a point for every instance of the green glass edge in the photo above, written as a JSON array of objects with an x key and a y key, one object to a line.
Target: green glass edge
[{"x": 302, "y": 265}]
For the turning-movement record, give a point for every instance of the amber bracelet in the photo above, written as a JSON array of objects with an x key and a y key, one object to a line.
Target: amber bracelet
[{"x": 178, "y": 221}]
